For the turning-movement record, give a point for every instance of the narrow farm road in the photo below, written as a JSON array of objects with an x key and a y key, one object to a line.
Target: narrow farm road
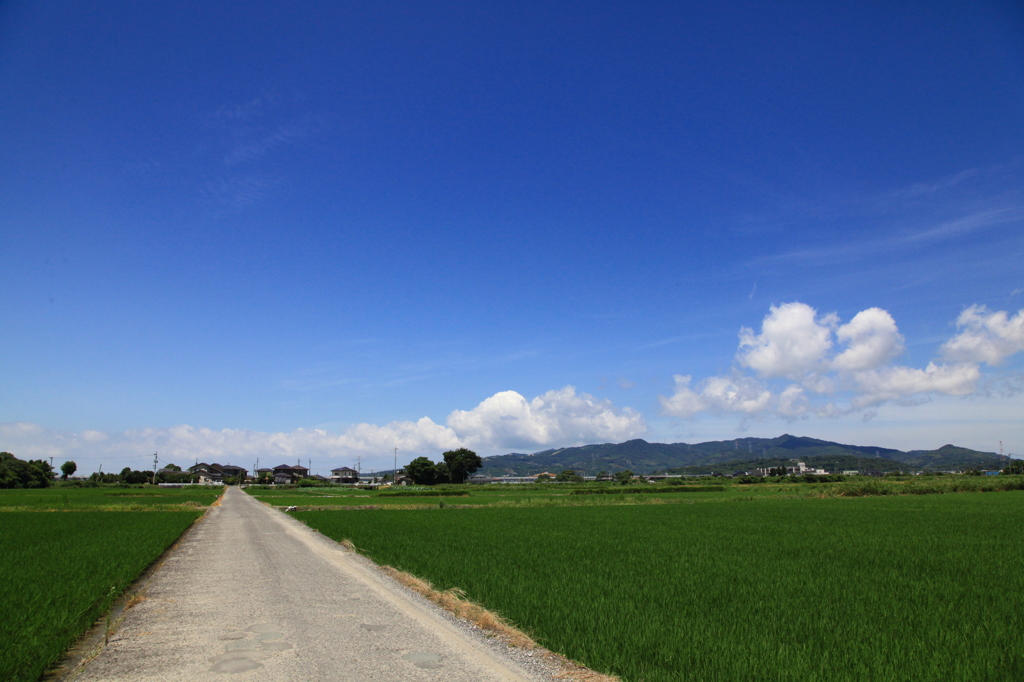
[{"x": 252, "y": 594}]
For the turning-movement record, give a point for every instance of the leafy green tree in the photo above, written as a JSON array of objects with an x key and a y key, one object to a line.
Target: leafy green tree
[
  {"x": 66, "y": 469},
  {"x": 543, "y": 478},
  {"x": 175, "y": 477},
  {"x": 602, "y": 476},
  {"x": 422, "y": 471},
  {"x": 17, "y": 473},
  {"x": 569, "y": 476},
  {"x": 131, "y": 477},
  {"x": 444, "y": 474},
  {"x": 461, "y": 464},
  {"x": 624, "y": 477},
  {"x": 173, "y": 467}
]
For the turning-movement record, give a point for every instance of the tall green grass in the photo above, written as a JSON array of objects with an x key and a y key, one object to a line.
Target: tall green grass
[
  {"x": 59, "y": 572},
  {"x": 879, "y": 588}
]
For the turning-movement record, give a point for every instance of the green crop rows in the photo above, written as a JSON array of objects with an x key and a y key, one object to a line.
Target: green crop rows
[
  {"x": 67, "y": 498},
  {"x": 558, "y": 495},
  {"x": 923, "y": 587},
  {"x": 61, "y": 571}
]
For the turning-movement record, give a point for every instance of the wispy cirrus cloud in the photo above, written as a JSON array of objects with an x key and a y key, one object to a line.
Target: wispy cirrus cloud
[
  {"x": 921, "y": 215},
  {"x": 934, "y": 231},
  {"x": 259, "y": 144},
  {"x": 245, "y": 146}
]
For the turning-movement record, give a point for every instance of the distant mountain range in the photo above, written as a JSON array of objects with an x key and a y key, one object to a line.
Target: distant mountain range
[{"x": 727, "y": 456}]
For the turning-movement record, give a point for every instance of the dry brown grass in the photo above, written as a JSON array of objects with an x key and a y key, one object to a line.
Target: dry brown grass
[{"x": 134, "y": 600}]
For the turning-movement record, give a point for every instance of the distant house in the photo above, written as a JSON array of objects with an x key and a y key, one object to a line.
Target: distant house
[
  {"x": 216, "y": 473},
  {"x": 232, "y": 470},
  {"x": 290, "y": 473},
  {"x": 344, "y": 475}
]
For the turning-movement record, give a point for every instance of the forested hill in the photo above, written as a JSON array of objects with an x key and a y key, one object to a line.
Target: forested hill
[{"x": 642, "y": 457}]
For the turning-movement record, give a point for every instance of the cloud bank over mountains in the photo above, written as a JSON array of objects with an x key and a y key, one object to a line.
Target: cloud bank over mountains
[
  {"x": 505, "y": 420},
  {"x": 802, "y": 364}
]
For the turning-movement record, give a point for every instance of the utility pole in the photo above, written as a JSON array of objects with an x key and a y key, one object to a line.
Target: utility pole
[
  {"x": 394, "y": 476},
  {"x": 154, "y": 468}
]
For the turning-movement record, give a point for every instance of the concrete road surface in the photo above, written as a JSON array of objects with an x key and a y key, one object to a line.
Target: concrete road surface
[{"x": 252, "y": 594}]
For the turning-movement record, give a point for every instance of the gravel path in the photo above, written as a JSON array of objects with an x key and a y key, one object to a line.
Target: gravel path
[{"x": 252, "y": 594}]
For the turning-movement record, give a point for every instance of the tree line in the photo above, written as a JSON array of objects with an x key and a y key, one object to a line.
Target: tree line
[{"x": 37, "y": 473}]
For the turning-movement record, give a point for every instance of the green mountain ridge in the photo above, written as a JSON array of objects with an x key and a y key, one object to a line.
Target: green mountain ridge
[{"x": 727, "y": 456}]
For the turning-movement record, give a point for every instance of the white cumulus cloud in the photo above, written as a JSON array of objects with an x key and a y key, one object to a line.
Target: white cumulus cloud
[
  {"x": 793, "y": 403},
  {"x": 505, "y": 420},
  {"x": 559, "y": 417},
  {"x": 986, "y": 336},
  {"x": 736, "y": 394},
  {"x": 871, "y": 340},
  {"x": 894, "y": 383},
  {"x": 852, "y": 361},
  {"x": 791, "y": 343}
]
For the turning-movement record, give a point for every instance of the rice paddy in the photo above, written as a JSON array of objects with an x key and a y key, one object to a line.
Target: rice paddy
[
  {"x": 62, "y": 571},
  {"x": 558, "y": 494},
  {"x": 112, "y": 498},
  {"x": 881, "y": 587}
]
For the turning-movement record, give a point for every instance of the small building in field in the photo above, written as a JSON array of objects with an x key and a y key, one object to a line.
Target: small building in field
[{"x": 344, "y": 475}]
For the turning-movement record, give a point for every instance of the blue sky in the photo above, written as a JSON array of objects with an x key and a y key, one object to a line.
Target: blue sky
[{"x": 327, "y": 230}]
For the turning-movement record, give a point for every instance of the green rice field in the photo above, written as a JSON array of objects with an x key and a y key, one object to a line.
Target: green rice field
[
  {"x": 756, "y": 586},
  {"x": 112, "y": 498},
  {"x": 62, "y": 571},
  {"x": 465, "y": 495},
  {"x": 557, "y": 494}
]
